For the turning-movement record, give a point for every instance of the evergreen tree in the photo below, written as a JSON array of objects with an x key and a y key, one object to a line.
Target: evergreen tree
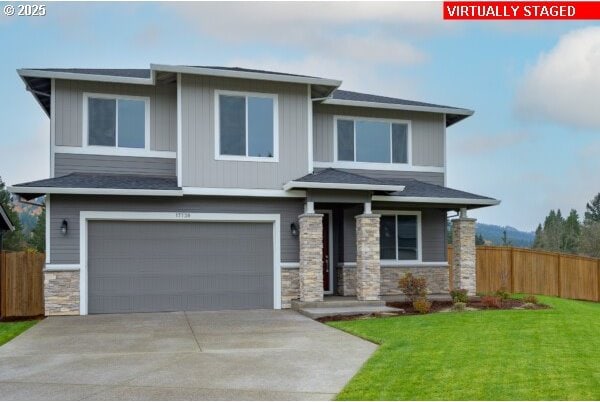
[
  {"x": 552, "y": 232},
  {"x": 592, "y": 210},
  {"x": 571, "y": 233},
  {"x": 538, "y": 242},
  {"x": 12, "y": 241},
  {"x": 589, "y": 242},
  {"x": 479, "y": 241},
  {"x": 38, "y": 235},
  {"x": 505, "y": 241}
]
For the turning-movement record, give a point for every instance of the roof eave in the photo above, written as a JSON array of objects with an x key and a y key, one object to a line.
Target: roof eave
[
  {"x": 6, "y": 219},
  {"x": 340, "y": 186},
  {"x": 414, "y": 108},
  {"x": 86, "y": 77},
  {"x": 476, "y": 202},
  {"x": 94, "y": 191},
  {"x": 245, "y": 74}
]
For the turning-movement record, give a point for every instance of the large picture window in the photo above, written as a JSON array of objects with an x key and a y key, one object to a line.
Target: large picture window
[
  {"x": 400, "y": 236},
  {"x": 116, "y": 122},
  {"x": 362, "y": 140},
  {"x": 247, "y": 126}
]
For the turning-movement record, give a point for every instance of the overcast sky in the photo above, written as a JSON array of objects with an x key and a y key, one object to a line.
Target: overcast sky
[{"x": 533, "y": 142}]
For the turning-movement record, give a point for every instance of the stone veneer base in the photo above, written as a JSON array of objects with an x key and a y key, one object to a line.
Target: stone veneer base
[{"x": 61, "y": 292}]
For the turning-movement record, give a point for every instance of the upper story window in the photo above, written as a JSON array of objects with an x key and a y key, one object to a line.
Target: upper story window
[
  {"x": 246, "y": 126},
  {"x": 116, "y": 121},
  {"x": 372, "y": 141},
  {"x": 400, "y": 236}
]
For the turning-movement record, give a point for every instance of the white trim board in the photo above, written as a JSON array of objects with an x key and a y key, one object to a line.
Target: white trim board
[
  {"x": 414, "y": 108},
  {"x": 400, "y": 264},
  {"x": 310, "y": 131},
  {"x": 437, "y": 200},
  {"x": 48, "y": 224},
  {"x": 379, "y": 166},
  {"x": 86, "y": 216},
  {"x": 114, "y": 151},
  {"x": 48, "y": 267},
  {"x": 341, "y": 186},
  {"x": 179, "y": 133},
  {"x": 85, "y": 77},
  {"x": 244, "y": 192}
]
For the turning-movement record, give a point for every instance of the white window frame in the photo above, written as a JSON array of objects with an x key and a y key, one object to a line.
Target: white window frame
[
  {"x": 217, "y": 133},
  {"x": 116, "y": 150},
  {"x": 372, "y": 165},
  {"x": 419, "y": 235}
]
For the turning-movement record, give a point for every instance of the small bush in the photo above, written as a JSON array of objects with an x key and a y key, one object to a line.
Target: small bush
[
  {"x": 529, "y": 306},
  {"x": 413, "y": 288},
  {"x": 502, "y": 294},
  {"x": 459, "y": 295},
  {"x": 491, "y": 301},
  {"x": 459, "y": 306},
  {"x": 422, "y": 305},
  {"x": 531, "y": 299}
]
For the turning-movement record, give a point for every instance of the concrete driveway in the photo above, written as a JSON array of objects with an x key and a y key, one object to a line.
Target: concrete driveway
[{"x": 241, "y": 355}]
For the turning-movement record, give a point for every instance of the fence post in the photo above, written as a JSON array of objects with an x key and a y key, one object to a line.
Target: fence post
[
  {"x": 559, "y": 274},
  {"x": 512, "y": 270}
]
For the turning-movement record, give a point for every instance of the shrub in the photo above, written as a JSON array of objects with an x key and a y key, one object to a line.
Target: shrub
[
  {"x": 413, "y": 287},
  {"x": 459, "y": 306},
  {"x": 459, "y": 295},
  {"x": 531, "y": 299},
  {"x": 422, "y": 305},
  {"x": 529, "y": 306},
  {"x": 502, "y": 294},
  {"x": 491, "y": 301}
]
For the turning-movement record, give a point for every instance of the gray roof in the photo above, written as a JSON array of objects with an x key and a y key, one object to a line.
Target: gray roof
[
  {"x": 5, "y": 222},
  {"x": 412, "y": 187},
  {"x": 107, "y": 181}
]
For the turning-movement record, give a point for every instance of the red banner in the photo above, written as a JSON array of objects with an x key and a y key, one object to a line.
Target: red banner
[{"x": 521, "y": 10}]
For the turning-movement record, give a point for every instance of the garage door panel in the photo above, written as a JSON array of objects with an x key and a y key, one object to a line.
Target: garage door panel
[{"x": 169, "y": 266}]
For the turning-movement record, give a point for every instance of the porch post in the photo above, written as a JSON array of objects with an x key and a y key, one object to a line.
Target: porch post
[
  {"x": 311, "y": 257},
  {"x": 464, "y": 252},
  {"x": 368, "y": 269}
]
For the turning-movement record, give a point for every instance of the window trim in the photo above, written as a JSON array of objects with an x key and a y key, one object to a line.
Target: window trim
[
  {"x": 115, "y": 150},
  {"x": 372, "y": 165},
  {"x": 217, "y": 132},
  {"x": 395, "y": 213}
]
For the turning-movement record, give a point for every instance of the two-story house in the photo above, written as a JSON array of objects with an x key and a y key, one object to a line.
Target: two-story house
[{"x": 207, "y": 188}]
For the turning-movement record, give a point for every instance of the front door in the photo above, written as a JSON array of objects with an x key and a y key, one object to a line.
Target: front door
[{"x": 327, "y": 285}]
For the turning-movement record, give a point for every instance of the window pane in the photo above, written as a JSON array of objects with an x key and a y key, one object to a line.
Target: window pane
[
  {"x": 345, "y": 139},
  {"x": 387, "y": 237},
  {"x": 407, "y": 237},
  {"x": 399, "y": 143},
  {"x": 101, "y": 122},
  {"x": 372, "y": 141},
  {"x": 232, "y": 122},
  {"x": 132, "y": 116},
  {"x": 260, "y": 127}
]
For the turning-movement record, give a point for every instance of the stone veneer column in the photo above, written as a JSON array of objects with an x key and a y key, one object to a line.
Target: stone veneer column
[
  {"x": 61, "y": 292},
  {"x": 368, "y": 269},
  {"x": 464, "y": 255},
  {"x": 311, "y": 257}
]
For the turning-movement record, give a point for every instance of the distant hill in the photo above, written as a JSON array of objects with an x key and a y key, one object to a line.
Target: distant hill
[
  {"x": 493, "y": 234},
  {"x": 28, "y": 214}
]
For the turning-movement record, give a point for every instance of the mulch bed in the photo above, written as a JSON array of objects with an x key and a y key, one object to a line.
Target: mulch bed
[{"x": 436, "y": 307}]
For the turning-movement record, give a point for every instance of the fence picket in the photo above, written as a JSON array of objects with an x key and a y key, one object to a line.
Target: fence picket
[{"x": 21, "y": 284}]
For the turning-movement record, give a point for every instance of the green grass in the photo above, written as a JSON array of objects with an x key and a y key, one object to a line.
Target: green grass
[
  {"x": 549, "y": 354},
  {"x": 9, "y": 330}
]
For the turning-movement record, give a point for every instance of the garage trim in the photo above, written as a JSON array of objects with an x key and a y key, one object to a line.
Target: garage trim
[{"x": 86, "y": 216}]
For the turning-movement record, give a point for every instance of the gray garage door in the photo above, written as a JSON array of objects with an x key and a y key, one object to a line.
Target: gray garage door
[{"x": 172, "y": 266}]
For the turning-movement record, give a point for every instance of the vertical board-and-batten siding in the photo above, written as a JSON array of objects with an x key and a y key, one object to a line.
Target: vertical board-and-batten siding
[
  {"x": 69, "y": 110},
  {"x": 200, "y": 169},
  {"x": 428, "y": 130},
  {"x": 110, "y": 164},
  {"x": 64, "y": 249},
  {"x": 433, "y": 232}
]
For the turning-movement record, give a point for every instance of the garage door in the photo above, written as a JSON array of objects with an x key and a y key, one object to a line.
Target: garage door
[{"x": 173, "y": 266}]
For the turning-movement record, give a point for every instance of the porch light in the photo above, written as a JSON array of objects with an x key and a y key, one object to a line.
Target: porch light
[
  {"x": 64, "y": 227},
  {"x": 294, "y": 229}
]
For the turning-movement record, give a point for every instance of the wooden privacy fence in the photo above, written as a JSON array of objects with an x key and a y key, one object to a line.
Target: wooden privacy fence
[
  {"x": 21, "y": 284},
  {"x": 521, "y": 270}
]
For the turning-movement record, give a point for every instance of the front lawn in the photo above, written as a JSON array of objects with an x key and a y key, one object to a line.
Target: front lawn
[
  {"x": 9, "y": 330},
  {"x": 549, "y": 354}
]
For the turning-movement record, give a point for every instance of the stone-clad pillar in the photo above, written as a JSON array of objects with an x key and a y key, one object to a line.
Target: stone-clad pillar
[
  {"x": 464, "y": 254},
  {"x": 311, "y": 257},
  {"x": 368, "y": 269}
]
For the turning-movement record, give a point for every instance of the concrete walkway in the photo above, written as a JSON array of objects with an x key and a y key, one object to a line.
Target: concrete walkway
[{"x": 232, "y": 355}]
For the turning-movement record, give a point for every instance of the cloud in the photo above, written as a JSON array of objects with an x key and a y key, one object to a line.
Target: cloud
[
  {"x": 563, "y": 85},
  {"x": 482, "y": 143},
  {"x": 16, "y": 168}
]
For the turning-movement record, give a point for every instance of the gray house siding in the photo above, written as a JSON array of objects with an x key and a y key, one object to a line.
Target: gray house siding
[
  {"x": 200, "y": 169},
  {"x": 69, "y": 163},
  {"x": 428, "y": 130},
  {"x": 65, "y": 249},
  {"x": 433, "y": 226},
  {"x": 69, "y": 110}
]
